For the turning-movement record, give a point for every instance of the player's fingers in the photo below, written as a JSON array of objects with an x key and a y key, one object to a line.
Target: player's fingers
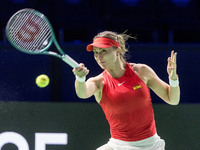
[
  {"x": 169, "y": 61},
  {"x": 172, "y": 54},
  {"x": 81, "y": 65},
  {"x": 175, "y": 56},
  {"x": 81, "y": 71}
]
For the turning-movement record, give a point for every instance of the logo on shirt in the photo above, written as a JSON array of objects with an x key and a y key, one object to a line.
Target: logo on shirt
[
  {"x": 137, "y": 87},
  {"x": 119, "y": 84}
]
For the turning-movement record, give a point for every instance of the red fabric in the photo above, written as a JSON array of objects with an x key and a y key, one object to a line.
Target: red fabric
[
  {"x": 102, "y": 42},
  {"x": 128, "y": 107}
]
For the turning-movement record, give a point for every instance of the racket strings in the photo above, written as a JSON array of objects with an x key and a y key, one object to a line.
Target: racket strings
[
  {"x": 18, "y": 24},
  {"x": 15, "y": 26},
  {"x": 21, "y": 30},
  {"x": 45, "y": 35},
  {"x": 38, "y": 43},
  {"x": 30, "y": 32}
]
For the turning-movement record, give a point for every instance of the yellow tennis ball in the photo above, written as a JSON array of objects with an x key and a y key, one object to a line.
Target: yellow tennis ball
[{"x": 42, "y": 80}]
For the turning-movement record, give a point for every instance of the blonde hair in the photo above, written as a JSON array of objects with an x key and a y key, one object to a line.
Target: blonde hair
[{"x": 121, "y": 38}]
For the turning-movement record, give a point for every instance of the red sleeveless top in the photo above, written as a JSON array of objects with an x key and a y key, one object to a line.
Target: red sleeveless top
[{"x": 127, "y": 105}]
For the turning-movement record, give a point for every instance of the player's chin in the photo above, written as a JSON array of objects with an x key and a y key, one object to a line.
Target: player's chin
[{"x": 102, "y": 66}]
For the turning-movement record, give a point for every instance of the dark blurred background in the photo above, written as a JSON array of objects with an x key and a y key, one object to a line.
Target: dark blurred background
[{"x": 160, "y": 26}]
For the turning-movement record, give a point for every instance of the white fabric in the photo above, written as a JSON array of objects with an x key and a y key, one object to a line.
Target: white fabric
[
  {"x": 173, "y": 83},
  {"x": 152, "y": 143}
]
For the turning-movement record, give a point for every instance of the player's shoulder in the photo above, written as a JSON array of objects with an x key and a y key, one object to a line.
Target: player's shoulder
[
  {"x": 98, "y": 80},
  {"x": 143, "y": 71},
  {"x": 138, "y": 67}
]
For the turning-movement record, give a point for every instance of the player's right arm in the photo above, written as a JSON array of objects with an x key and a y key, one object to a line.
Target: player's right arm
[{"x": 87, "y": 88}]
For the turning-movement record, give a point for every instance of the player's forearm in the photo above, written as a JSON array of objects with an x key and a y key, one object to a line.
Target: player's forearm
[
  {"x": 81, "y": 89},
  {"x": 174, "y": 95}
]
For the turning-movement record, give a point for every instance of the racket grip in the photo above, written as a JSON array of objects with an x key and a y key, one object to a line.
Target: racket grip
[{"x": 70, "y": 61}]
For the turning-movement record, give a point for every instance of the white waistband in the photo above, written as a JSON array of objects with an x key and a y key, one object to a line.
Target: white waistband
[{"x": 152, "y": 139}]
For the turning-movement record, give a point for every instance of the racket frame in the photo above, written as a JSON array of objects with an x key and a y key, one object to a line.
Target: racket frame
[{"x": 66, "y": 58}]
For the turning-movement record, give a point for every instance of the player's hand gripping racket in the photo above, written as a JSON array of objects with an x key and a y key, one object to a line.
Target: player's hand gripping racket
[{"x": 31, "y": 32}]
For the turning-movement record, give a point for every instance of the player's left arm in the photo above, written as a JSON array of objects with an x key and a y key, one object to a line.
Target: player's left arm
[{"x": 169, "y": 94}]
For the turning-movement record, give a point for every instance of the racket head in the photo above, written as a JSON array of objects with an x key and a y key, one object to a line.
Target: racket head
[{"x": 30, "y": 31}]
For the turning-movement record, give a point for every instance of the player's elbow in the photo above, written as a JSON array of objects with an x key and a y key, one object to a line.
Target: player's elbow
[
  {"x": 174, "y": 101},
  {"x": 82, "y": 95}
]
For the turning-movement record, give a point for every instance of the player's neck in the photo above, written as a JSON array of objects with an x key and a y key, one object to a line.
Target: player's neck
[{"x": 117, "y": 70}]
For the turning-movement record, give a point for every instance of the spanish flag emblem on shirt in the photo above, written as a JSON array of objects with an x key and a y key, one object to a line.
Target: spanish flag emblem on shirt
[{"x": 137, "y": 87}]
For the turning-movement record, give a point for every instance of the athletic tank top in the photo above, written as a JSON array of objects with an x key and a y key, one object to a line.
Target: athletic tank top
[{"x": 127, "y": 105}]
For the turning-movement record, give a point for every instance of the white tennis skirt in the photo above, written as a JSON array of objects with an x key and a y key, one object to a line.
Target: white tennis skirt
[{"x": 151, "y": 143}]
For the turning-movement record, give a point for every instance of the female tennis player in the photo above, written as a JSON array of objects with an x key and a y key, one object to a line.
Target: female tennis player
[{"x": 123, "y": 92}]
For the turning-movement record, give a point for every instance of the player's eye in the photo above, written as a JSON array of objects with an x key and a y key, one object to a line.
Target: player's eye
[{"x": 95, "y": 52}]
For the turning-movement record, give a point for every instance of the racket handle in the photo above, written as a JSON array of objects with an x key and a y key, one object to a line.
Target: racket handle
[{"x": 70, "y": 61}]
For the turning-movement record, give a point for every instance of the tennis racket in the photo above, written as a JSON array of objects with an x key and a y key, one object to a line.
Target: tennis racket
[{"x": 31, "y": 32}]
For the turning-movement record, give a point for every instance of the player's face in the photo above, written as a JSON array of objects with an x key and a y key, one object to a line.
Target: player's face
[{"x": 105, "y": 57}]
